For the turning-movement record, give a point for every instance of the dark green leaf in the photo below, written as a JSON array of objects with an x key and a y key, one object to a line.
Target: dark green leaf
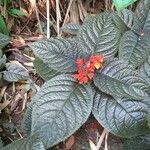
[
  {"x": 2, "y": 62},
  {"x": 127, "y": 16},
  {"x": 118, "y": 79},
  {"x": 71, "y": 28},
  {"x": 15, "y": 72},
  {"x": 60, "y": 108},
  {"x": 134, "y": 48},
  {"x": 4, "y": 40},
  {"x": 145, "y": 70},
  {"x": 58, "y": 54},
  {"x": 120, "y": 24},
  {"x": 122, "y": 117},
  {"x": 27, "y": 120},
  {"x": 16, "y": 12},
  {"x": 1, "y": 144},
  {"x": 124, "y": 20},
  {"x": 148, "y": 119},
  {"x": 142, "y": 21},
  {"x": 99, "y": 35},
  {"x": 138, "y": 143},
  {"x": 3, "y": 27},
  {"x": 2, "y": 2},
  {"x": 44, "y": 70},
  {"x": 23, "y": 144}
]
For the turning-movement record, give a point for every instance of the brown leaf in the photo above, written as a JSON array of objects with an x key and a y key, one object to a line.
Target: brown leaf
[
  {"x": 20, "y": 42},
  {"x": 70, "y": 143}
]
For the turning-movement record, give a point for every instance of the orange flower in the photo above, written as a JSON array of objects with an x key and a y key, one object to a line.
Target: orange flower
[
  {"x": 97, "y": 60},
  {"x": 86, "y": 70},
  {"x": 79, "y": 62},
  {"x": 81, "y": 77}
]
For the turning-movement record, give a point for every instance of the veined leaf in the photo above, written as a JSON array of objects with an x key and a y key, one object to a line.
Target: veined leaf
[
  {"x": 145, "y": 70},
  {"x": 44, "y": 70},
  {"x": 38, "y": 146},
  {"x": 134, "y": 48},
  {"x": 148, "y": 119},
  {"x": 120, "y": 24},
  {"x": 27, "y": 120},
  {"x": 127, "y": 17},
  {"x": 71, "y": 28},
  {"x": 123, "y": 117},
  {"x": 59, "y": 54},
  {"x": 137, "y": 143},
  {"x": 118, "y": 79},
  {"x": 23, "y": 144},
  {"x": 15, "y": 72},
  {"x": 99, "y": 35},
  {"x": 142, "y": 21},
  {"x": 2, "y": 62},
  {"x": 124, "y": 20},
  {"x": 60, "y": 108},
  {"x": 4, "y": 40}
]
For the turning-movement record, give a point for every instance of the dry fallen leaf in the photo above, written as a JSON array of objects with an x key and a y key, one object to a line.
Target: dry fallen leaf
[{"x": 70, "y": 143}]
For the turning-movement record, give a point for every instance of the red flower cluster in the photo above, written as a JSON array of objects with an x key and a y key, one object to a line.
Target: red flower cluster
[{"x": 87, "y": 69}]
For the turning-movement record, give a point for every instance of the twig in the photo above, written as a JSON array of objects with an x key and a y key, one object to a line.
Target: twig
[
  {"x": 34, "y": 6},
  {"x": 4, "y": 104},
  {"x": 38, "y": 18},
  {"x": 13, "y": 87},
  {"x": 58, "y": 17},
  {"x": 106, "y": 139},
  {"x": 19, "y": 134},
  {"x": 67, "y": 12},
  {"x": 101, "y": 139},
  {"x": 24, "y": 101},
  {"x": 10, "y": 138},
  {"x": 2, "y": 92},
  {"x": 48, "y": 19},
  {"x": 106, "y": 4}
]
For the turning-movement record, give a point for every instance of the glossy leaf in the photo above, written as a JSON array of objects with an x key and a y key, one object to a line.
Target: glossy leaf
[
  {"x": 59, "y": 54},
  {"x": 99, "y": 35},
  {"x": 122, "y": 27},
  {"x": 2, "y": 62},
  {"x": 71, "y": 28},
  {"x": 23, "y": 144},
  {"x": 44, "y": 70},
  {"x": 142, "y": 21},
  {"x": 15, "y": 73},
  {"x": 4, "y": 40},
  {"x": 137, "y": 143},
  {"x": 118, "y": 79},
  {"x": 60, "y": 108},
  {"x": 127, "y": 16},
  {"x": 145, "y": 70},
  {"x": 27, "y": 120},
  {"x": 134, "y": 49},
  {"x": 38, "y": 146},
  {"x": 123, "y": 117}
]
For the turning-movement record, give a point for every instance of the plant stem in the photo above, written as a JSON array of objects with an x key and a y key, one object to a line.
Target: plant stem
[{"x": 48, "y": 19}]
